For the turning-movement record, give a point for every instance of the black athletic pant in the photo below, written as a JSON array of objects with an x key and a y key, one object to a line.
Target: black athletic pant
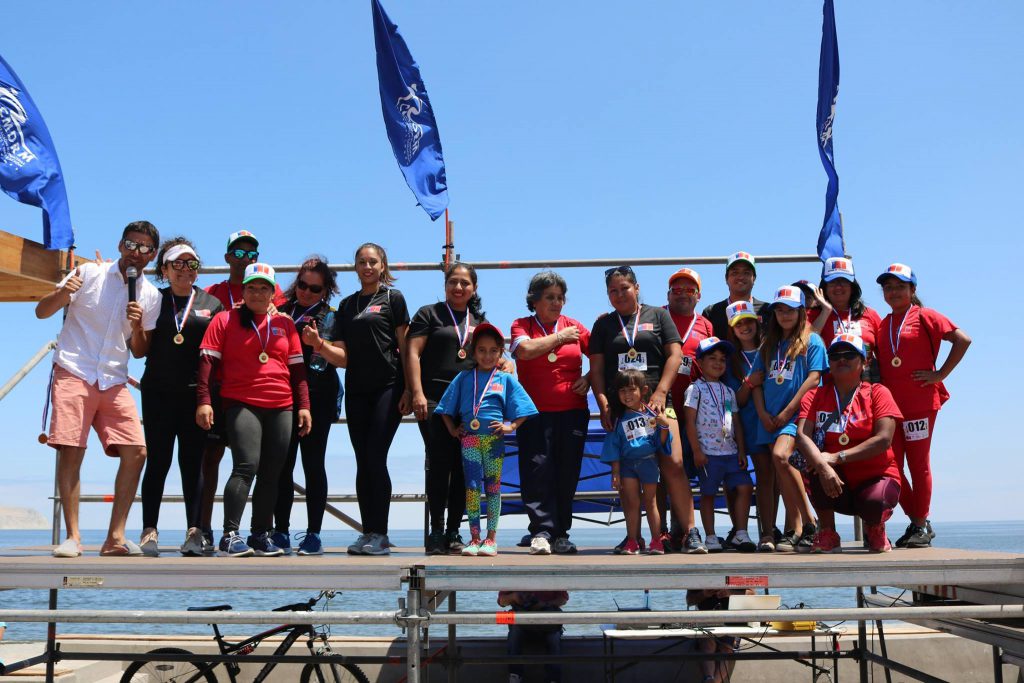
[
  {"x": 446, "y": 485},
  {"x": 323, "y": 408},
  {"x": 166, "y": 417},
  {"x": 373, "y": 419},
  {"x": 259, "y": 445},
  {"x": 550, "y": 457}
]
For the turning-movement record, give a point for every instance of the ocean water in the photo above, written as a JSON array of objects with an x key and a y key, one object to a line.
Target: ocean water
[{"x": 994, "y": 536}]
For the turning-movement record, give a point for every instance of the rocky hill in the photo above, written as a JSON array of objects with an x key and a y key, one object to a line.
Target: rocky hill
[{"x": 22, "y": 518}]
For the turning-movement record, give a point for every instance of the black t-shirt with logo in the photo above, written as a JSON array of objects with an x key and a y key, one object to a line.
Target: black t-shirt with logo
[
  {"x": 368, "y": 325},
  {"x": 654, "y": 329},
  {"x": 322, "y": 382},
  {"x": 440, "y": 362},
  {"x": 170, "y": 366}
]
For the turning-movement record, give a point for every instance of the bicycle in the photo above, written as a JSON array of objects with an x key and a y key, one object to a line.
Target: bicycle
[{"x": 333, "y": 668}]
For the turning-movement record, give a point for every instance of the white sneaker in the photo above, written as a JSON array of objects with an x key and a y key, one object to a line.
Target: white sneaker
[
  {"x": 149, "y": 541},
  {"x": 742, "y": 542},
  {"x": 540, "y": 546},
  {"x": 713, "y": 544},
  {"x": 194, "y": 542},
  {"x": 377, "y": 544},
  {"x": 357, "y": 546}
]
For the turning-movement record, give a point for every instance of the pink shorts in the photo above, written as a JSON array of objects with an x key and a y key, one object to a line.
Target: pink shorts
[{"x": 78, "y": 405}]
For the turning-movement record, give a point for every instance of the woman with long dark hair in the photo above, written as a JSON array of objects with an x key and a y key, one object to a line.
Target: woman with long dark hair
[{"x": 844, "y": 310}]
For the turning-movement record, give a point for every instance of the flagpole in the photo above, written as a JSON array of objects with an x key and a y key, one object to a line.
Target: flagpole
[{"x": 449, "y": 245}]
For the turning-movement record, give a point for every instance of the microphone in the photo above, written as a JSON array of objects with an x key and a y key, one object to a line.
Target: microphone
[{"x": 132, "y": 274}]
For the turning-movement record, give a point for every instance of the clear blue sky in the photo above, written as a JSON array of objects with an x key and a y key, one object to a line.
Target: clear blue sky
[{"x": 570, "y": 130}]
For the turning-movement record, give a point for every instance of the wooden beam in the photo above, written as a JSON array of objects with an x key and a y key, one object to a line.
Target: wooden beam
[{"x": 27, "y": 269}]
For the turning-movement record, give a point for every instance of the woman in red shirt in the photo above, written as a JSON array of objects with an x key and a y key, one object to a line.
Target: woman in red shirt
[
  {"x": 845, "y": 434},
  {"x": 908, "y": 347},
  {"x": 843, "y": 308},
  {"x": 263, "y": 376},
  {"x": 549, "y": 349}
]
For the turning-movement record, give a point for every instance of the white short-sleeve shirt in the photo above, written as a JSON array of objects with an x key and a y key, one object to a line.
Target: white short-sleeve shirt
[{"x": 93, "y": 344}]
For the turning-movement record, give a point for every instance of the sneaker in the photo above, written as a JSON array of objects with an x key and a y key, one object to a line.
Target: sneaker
[
  {"x": 454, "y": 541},
  {"x": 741, "y": 541},
  {"x": 618, "y": 550},
  {"x": 194, "y": 544},
  {"x": 525, "y": 541},
  {"x": 666, "y": 542},
  {"x": 435, "y": 544},
  {"x": 919, "y": 538},
  {"x": 377, "y": 544},
  {"x": 563, "y": 546},
  {"x": 357, "y": 545},
  {"x": 209, "y": 547},
  {"x": 283, "y": 541},
  {"x": 766, "y": 544},
  {"x": 630, "y": 547},
  {"x": 694, "y": 546},
  {"x": 472, "y": 549},
  {"x": 69, "y": 548},
  {"x": 878, "y": 542},
  {"x": 677, "y": 542},
  {"x": 713, "y": 544},
  {"x": 826, "y": 541},
  {"x": 488, "y": 548},
  {"x": 148, "y": 541},
  {"x": 657, "y": 546},
  {"x": 515, "y": 678},
  {"x": 263, "y": 546},
  {"x": 787, "y": 544},
  {"x": 232, "y": 545},
  {"x": 806, "y": 539},
  {"x": 928, "y": 526},
  {"x": 540, "y": 546},
  {"x": 310, "y": 544},
  {"x": 901, "y": 542}
]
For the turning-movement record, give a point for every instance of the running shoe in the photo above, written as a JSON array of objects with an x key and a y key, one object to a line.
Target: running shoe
[
  {"x": 489, "y": 548},
  {"x": 877, "y": 540},
  {"x": 472, "y": 549},
  {"x": 666, "y": 542},
  {"x": 739, "y": 540},
  {"x": 283, "y": 541},
  {"x": 901, "y": 542},
  {"x": 209, "y": 547},
  {"x": 194, "y": 544},
  {"x": 310, "y": 544},
  {"x": 540, "y": 546},
  {"x": 766, "y": 544},
  {"x": 263, "y": 546},
  {"x": 657, "y": 546},
  {"x": 694, "y": 546},
  {"x": 787, "y": 544},
  {"x": 525, "y": 541},
  {"x": 827, "y": 541},
  {"x": 618, "y": 550},
  {"x": 806, "y": 539},
  {"x": 435, "y": 544},
  {"x": 149, "y": 541},
  {"x": 919, "y": 538},
  {"x": 377, "y": 544},
  {"x": 928, "y": 526},
  {"x": 357, "y": 545},
  {"x": 233, "y": 545},
  {"x": 454, "y": 542},
  {"x": 631, "y": 547},
  {"x": 713, "y": 544},
  {"x": 563, "y": 546}
]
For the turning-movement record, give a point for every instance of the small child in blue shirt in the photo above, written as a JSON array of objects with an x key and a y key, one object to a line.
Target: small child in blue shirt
[
  {"x": 488, "y": 404},
  {"x": 632, "y": 448}
]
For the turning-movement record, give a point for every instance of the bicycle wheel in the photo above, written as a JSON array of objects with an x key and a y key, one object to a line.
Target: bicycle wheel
[
  {"x": 167, "y": 672},
  {"x": 332, "y": 670}
]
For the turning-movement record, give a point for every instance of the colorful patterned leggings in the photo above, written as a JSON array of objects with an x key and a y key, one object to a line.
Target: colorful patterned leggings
[{"x": 481, "y": 462}]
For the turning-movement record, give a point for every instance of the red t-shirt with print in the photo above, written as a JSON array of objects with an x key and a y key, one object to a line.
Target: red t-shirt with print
[
  {"x": 866, "y": 327},
  {"x": 917, "y": 348}
]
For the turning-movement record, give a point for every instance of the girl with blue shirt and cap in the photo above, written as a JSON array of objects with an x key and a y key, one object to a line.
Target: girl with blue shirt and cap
[
  {"x": 489, "y": 404},
  {"x": 793, "y": 360}
]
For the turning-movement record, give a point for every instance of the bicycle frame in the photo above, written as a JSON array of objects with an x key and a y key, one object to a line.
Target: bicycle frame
[{"x": 226, "y": 647}]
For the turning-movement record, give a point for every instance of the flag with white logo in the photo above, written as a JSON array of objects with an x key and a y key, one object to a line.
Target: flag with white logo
[
  {"x": 830, "y": 241},
  {"x": 29, "y": 168},
  {"x": 408, "y": 116}
]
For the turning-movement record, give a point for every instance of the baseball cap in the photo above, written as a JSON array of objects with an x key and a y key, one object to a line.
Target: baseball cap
[
  {"x": 900, "y": 271},
  {"x": 179, "y": 250},
  {"x": 837, "y": 268},
  {"x": 687, "y": 273},
  {"x": 853, "y": 341},
  {"x": 258, "y": 271},
  {"x": 739, "y": 310},
  {"x": 240, "y": 235},
  {"x": 789, "y": 296},
  {"x": 741, "y": 256},
  {"x": 487, "y": 327},
  {"x": 709, "y": 344}
]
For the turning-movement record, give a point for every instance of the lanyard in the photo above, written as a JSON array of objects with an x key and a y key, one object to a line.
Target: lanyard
[
  {"x": 719, "y": 404},
  {"x": 477, "y": 402},
  {"x": 689, "y": 330},
  {"x": 180, "y": 326},
  {"x": 263, "y": 344},
  {"x": 303, "y": 315},
  {"x": 630, "y": 338},
  {"x": 750, "y": 363},
  {"x": 543, "y": 329},
  {"x": 844, "y": 417},
  {"x": 894, "y": 344},
  {"x": 848, "y": 326},
  {"x": 780, "y": 364},
  {"x": 462, "y": 335}
]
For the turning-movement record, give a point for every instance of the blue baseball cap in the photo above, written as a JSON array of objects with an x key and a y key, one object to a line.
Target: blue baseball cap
[
  {"x": 838, "y": 268},
  {"x": 789, "y": 295},
  {"x": 709, "y": 344}
]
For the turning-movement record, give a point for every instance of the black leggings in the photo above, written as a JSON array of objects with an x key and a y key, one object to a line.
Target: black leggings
[
  {"x": 167, "y": 416},
  {"x": 446, "y": 485},
  {"x": 373, "y": 419},
  {"x": 259, "y": 445},
  {"x": 323, "y": 409}
]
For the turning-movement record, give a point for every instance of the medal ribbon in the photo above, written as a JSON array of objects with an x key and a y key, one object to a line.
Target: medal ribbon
[
  {"x": 719, "y": 405},
  {"x": 184, "y": 317},
  {"x": 260, "y": 336},
  {"x": 477, "y": 402},
  {"x": 462, "y": 335},
  {"x": 636, "y": 321},
  {"x": 780, "y": 361},
  {"x": 750, "y": 363},
  {"x": 303, "y": 315},
  {"x": 689, "y": 330},
  {"x": 845, "y": 327},
  {"x": 894, "y": 344},
  {"x": 844, "y": 417},
  {"x": 543, "y": 329}
]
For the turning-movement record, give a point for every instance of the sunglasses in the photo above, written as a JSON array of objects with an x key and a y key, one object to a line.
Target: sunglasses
[
  {"x": 688, "y": 291},
  {"x": 132, "y": 245},
  {"x": 844, "y": 355},
  {"x": 182, "y": 264},
  {"x": 316, "y": 289},
  {"x": 618, "y": 270},
  {"x": 252, "y": 255}
]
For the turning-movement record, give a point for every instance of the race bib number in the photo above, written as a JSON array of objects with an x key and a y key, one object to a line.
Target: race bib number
[
  {"x": 638, "y": 363},
  {"x": 916, "y": 430},
  {"x": 834, "y": 428},
  {"x": 784, "y": 370},
  {"x": 637, "y": 428},
  {"x": 684, "y": 367}
]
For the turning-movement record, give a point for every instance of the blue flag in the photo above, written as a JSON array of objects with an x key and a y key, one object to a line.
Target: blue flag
[
  {"x": 830, "y": 241},
  {"x": 408, "y": 116},
  {"x": 29, "y": 168}
]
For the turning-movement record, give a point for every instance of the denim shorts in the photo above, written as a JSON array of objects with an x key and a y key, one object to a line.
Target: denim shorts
[
  {"x": 645, "y": 469},
  {"x": 722, "y": 468}
]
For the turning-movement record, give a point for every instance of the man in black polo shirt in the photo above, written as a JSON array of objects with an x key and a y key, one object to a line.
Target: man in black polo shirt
[{"x": 740, "y": 275}]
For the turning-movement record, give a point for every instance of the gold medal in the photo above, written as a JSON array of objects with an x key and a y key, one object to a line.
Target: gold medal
[
  {"x": 552, "y": 357},
  {"x": 474, "y": 424},
  {"x": 896, "y": 362},
  {"x": 631, "y": 354},
  {"x": 264, "y": 357},
  {"x": 43, "y": 438},
  {"x": 461, "y": 354},
  {"x": 179, "y": 339},
  {"x": 780, "y": 379},
  {"x": 843, "y": 439},
  {"x": 651, "y": 422}
]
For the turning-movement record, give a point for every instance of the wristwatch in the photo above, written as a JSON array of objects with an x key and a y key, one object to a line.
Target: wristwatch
[{"x": 841, "y": 456}]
